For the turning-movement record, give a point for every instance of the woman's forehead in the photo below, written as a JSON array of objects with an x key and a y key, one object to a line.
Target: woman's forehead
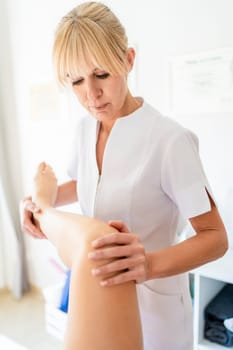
[
  {"x": 88, "y": 70},
  {"x": 86, "y": 65}
]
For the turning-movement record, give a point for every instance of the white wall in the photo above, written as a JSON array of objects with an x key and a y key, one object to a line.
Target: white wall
[{"x": 160, "y": 29}]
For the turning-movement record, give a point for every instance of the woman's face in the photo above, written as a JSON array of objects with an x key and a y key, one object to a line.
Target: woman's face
[
  {"x": 102, "y": 94},
  {"x": 105, "y": 96}
]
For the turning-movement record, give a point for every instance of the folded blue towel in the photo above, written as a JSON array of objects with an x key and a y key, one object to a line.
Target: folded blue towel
[
  {"x": 216, "y": 336},
  {"x": 216, "y": 332},
  {"x": 219, "y": 309}
]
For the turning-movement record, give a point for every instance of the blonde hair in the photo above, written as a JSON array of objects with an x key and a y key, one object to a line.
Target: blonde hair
[{"x": 91, "y": 31}]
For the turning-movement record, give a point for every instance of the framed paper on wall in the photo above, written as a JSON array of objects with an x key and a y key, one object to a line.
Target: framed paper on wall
[{"x": 202, "y": 82}]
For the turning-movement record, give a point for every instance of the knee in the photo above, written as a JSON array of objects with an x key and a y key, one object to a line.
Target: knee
[
  {"x": 96, "y": 230},
  {"x": 85, "y": 247},
  {"x": 82, "y": 241}
]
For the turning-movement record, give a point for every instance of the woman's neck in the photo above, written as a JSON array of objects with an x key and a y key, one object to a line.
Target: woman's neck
[{"x": 131, "y": 104}]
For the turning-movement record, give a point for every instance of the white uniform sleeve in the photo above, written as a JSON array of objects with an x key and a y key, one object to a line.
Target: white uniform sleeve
[
  {"x": 72, "y": 164},
  {"x": 182, "y": 176}
]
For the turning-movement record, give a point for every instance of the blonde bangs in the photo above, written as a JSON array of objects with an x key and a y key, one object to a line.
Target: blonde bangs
[{"x": 81, "y": 43}]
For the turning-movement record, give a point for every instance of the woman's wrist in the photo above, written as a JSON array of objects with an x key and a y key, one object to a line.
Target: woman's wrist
[{"x": 149, "y": 266}]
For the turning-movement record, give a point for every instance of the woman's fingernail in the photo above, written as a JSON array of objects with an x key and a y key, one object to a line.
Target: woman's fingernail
[
  {"x": 96, "y": 272},
  {"x": 94, "y": 243},
  {"x": 103, "y": 283},
  {"x": 91, "y": 255}
]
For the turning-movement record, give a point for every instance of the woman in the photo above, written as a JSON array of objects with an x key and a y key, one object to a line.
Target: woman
[{"x": 132, "y": 164}]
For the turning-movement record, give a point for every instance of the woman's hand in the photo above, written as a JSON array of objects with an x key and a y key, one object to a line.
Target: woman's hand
[
  {"x": 132, "y": 263},
  {"x": 27, "y": 208}
]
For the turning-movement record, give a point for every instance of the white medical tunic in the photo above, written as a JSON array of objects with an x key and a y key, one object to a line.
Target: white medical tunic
[{"x": 152, "y": 179}]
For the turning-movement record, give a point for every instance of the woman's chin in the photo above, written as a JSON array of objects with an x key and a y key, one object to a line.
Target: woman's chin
[{"x": 103, "y": 116}]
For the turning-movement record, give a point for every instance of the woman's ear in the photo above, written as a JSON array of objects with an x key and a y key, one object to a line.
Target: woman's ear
[{"x": 130, "y": 58}]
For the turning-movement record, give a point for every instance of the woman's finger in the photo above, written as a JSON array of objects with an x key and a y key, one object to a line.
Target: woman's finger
[
  {"x": 32, "y": 230},
  {"x": 127, "y": 276},
  {"x": 37, "y": 235},
  {"x": 114, "y": 238},
  {"x": 119, "y": 265},
  {"x": 119, "y": 225},
  {"x": 116, "y": 252},
  {"x": 28, "y": 226}
]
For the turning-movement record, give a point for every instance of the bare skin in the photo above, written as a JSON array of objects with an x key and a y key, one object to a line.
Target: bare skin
[{"x": 98, "y": 318}]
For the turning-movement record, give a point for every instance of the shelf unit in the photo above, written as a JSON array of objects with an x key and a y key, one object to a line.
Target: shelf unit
[{"x": 208, "y": 280}]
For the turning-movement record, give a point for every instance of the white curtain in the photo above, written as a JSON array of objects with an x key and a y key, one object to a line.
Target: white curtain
[
  {"x": 13, "y": 273},
  {"x": 8, "y": 245}
]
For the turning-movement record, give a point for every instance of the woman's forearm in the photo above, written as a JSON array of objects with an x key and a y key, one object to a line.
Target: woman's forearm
[
  {"x": 209, "y": 243},
  {"x": 187, "y": 255},
  {"x": 66, "y": 194}
]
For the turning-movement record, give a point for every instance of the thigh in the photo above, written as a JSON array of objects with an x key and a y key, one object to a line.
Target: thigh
[{"x": 101, "y": 317}]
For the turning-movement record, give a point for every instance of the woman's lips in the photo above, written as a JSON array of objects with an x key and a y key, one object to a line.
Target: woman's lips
[{"x": 99, "y": 108}]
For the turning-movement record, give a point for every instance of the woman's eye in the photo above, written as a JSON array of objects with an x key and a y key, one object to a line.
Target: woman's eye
[
  {"x": 77, "y": 82},
  {"x": 102, "y": 76}
]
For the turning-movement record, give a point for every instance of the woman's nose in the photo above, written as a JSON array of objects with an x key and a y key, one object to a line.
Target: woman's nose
[{"x": 93, "y": 91}]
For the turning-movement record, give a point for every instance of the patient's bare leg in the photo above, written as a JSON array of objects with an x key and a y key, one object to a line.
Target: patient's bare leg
[{"x": 99, "y": 318}]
